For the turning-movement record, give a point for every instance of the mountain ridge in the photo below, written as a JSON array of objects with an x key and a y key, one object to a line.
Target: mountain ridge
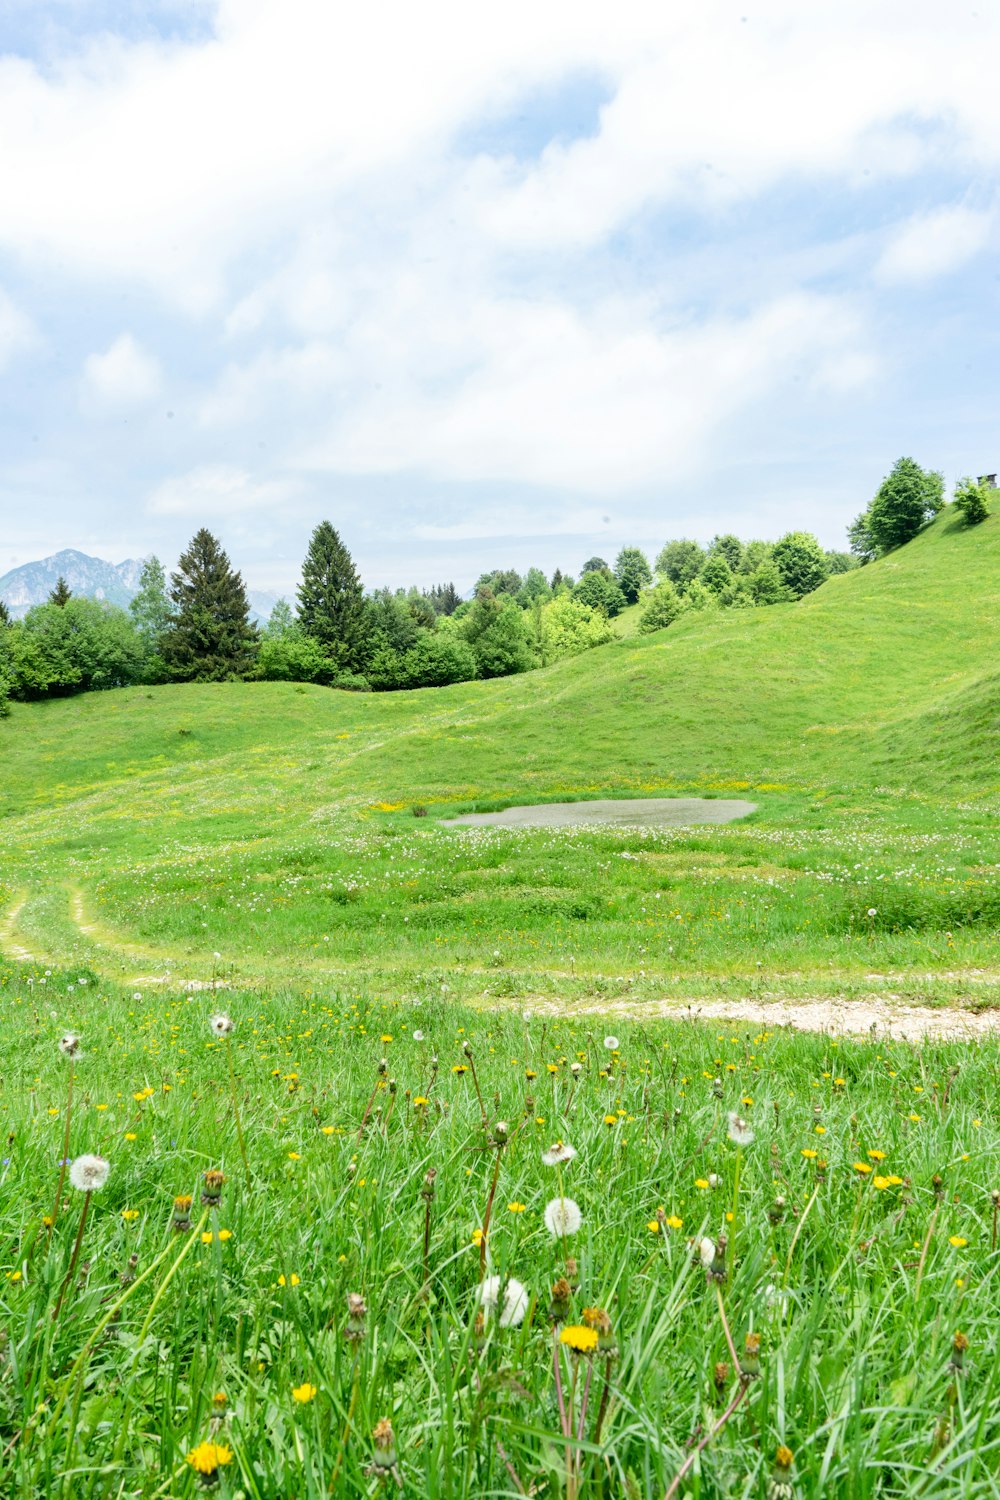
[{"x": 92, "y": 578}]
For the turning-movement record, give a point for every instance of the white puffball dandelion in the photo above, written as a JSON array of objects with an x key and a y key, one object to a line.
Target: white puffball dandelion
[
  {"x": 69, "y": 1045},
  {"x": 706, "y": 1250},
  {"x": 872, "y": 912},
  {"x": 739, "y": 1131},
  {"x": 221, "y": 1024},
  {"x": 515, "y": 1299},
  {"x": 562, "y": 1217},
  {"x": 611, "y": 1042},
  {"x": 558, "y": 1152},
  {"x": 89, "y": 1173},
  {"x": 418, "y": 1036}
]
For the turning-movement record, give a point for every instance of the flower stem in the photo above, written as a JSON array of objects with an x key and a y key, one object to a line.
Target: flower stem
[
  {"x": 73, "y": 1258},
  {"x": 923, "y": 1253},
  {"x": 65, "y": 1153},
  {"x": 236, "y": 1110},
  {"x": 487, "y": 1216},
  {"x": 674, "y": 1484}
]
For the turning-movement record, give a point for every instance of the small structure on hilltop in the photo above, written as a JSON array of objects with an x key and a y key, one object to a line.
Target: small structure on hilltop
[{"x": 990, "y": 479}]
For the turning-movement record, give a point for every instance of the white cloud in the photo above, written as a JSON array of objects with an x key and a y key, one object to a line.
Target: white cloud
[
  {"x": 123, "y": 377},
  {"x": 214, "y": 491},
  {"x": 17, "y": 332},
  {"x": 934, "y": 244}
]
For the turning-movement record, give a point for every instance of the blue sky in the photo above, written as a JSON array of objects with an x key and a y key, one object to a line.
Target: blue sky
[{"x": 486, "y": 288}]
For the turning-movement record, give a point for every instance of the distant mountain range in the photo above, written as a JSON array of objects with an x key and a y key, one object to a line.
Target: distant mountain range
[{"x": 93, "y": 578}]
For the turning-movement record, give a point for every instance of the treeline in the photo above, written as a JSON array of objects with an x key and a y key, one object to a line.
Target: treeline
[{"x": 197, "y": 627}]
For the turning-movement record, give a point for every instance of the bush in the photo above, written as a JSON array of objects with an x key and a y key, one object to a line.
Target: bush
[
  {"x": 801, "y": 563},
  {"x": 661, "y": 606},
  {"x": 437, "y": 659},
  {"x": 599, "y": 590},
  {"x": 66, "y": 648},
  {"x": 569, "y": 627},
  {"x": 293, "y": 656},
  {"x": 971, "y": 500}
]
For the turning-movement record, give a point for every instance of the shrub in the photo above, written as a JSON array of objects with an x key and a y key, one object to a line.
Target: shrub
[
  {"x": 971, "y": 500},
  {"x": 661, "y": 606}
]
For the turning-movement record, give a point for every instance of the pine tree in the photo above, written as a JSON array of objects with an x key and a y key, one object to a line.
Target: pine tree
[
  {"x": 4, "y": 614},
  {"x": 210, "y": 638},
  {"x": 60, "y": 594},
  {"x": 331, "y": 599}
]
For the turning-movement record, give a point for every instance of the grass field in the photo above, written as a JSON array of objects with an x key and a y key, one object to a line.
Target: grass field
[
  {"x": 147, "y": 831},
  {"x": 799, "y": 1305},
  {"x": 852, "y": 1319}
]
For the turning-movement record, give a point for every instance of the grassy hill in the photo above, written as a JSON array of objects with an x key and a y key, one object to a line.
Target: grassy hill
[{"x": 863, "y": 720}]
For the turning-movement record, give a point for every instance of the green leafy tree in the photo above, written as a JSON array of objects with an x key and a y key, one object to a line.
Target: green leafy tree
[
  {"x": 500, "y": 636},
  {"x": 280, "y": 621},
  {"x": 331, "y": 599},
  {"x": 594, "y": 565},
  {"x": 598, "y": 589},
  {"x": 801, "y": 562},
  {"x": 717, "y": 575},
  {"x": 68, "y": 648},
  {"x": 501, "y": 581},
  {"x": 681, "y": 561},
  {"x": 60, "y": 595},
  {"x": 150, "y": 609},
  {"x": 972, "y": 500},
  {"x": 907, "y": 499},
  {"x": 210, "y": 637},
  {"x": 633, "y": 573},
  {"x": 840, "y": 562},
  {"x": 697, "y": 597},
  {"x": 860, "y": 540},
  {"x": 765, "y": 584},
  {"x": 568, "y": 627},
  {"x": 728, "y": 546},
  {"x": 661, "y": 606},
  {"x": 534, "y": 588},
  {"x": 438, "y": 658},
  {"x": 755, "y": 553}
]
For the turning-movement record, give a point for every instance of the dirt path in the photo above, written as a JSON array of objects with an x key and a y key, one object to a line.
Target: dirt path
[
  {"x": 8, "y": 927},
  {"x": 869, "y": 1017},
  {"x": 645, "y": 812}
]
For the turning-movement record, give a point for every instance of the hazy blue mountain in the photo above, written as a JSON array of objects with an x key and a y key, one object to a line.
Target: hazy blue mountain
[{"x": 93, "y": 578}]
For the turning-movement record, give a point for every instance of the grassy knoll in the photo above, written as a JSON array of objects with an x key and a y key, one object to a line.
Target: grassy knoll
[
  {"x": 856, "y": 1289},
  {"x": 147, "y": 831}
]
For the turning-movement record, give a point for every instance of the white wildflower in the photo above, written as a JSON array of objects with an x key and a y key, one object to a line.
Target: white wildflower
[
  {"x": 515, "y": 1299},
  {"x": 557, "y": 1153},
  {"x": 221, "y": 1024},
  {"x": 576, "y": 1067},
  {"x": 69, "y": 1045},
  {"x": 872, "y": 911},
  {"x": 418, "y": 1036},
  {"x": 739, "y": 1131},
  {"x": 88, "y": 1173},
  {"x": 706, "y": 1249},
  {"x": 562, "y": 1217},
  {"x": 611, "y": 1042},
  {"x": 714, "y": 1179}
]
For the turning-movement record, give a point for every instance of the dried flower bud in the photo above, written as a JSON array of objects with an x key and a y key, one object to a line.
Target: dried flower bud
[
  {"x": 720, "y": 1376},
  {"x": 356, "y": 1313},
  {"x": 182, "y": 1213},
  {"x": 780, "y": 1486},
  {"x": 211, "y": 1190},
  {"x": 750, "y": 1362},
  {"x": 559, "y": 1305}
]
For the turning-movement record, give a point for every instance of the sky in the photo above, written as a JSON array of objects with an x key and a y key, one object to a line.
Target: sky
[{"x": 487, "y": 286}]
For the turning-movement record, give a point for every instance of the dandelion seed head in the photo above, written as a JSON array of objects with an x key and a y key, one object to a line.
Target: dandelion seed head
[
  {"x": 221, "y": 1024},
  {"x": 558, "y": 1152},
  {"x": 739, "y": 1131},
  {"x": 89, "y": 1173},
  {"x": 514, "y": 1295},
  {"x": 69, "y": 1045},
  {"x": 562, "y": 1217}
]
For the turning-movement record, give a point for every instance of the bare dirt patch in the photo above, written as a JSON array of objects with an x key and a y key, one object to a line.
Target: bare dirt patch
[
  {"x": 872, "y": 1017},
  {"x": 633, "y": 812}
]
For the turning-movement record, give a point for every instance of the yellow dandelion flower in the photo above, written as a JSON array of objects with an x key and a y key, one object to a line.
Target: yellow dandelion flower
[
  {"x": 875, "y": 1155},
  {"x": 128, "y": 1214},
  {"x": 862, "y": 1167},
  {"x": 460, "y": 1068},
  {"x": 328, "y": 1129},
  {"x": 130, "y": 1135},
  {"x": 915, "y": 1119},
  {"x": 611, "y": 1119},
  {"x": 208, "y": 1458},
  {"x": 673, "y": 1222},
  {"x": 653, "y": 1226},
  {"x": 225, "y": 1234},
  {"x": 305, "y": 1392},
  {"x": 207, "y": 1237},
  {"x": 477, "y": 1236},
  {"x": 820, "y": 1129},
  {"x": 701, "y": 1182},
  {"x": 420, "y": 1101},
  {"x": 581, "y": 1340},
  {"x": 386, "y": 1037},
  {"x": 809, "y": 1153},
  {"x": 882, "y": 1183},
  {"x": 294, "y": 1156}
]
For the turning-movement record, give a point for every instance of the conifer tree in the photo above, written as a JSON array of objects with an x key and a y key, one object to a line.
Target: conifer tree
[
  {"x": 210, "y": 638},
  {"x": 4, "y": 614},
  {"x": 331, "y": 599},
  {"x": 60, "y": 594}
]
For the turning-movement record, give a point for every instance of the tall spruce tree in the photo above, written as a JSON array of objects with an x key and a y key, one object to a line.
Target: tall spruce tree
[
  {"x": 210, "y": 638},
  {"x": 4, "y": 614},
  {"x": 331, "y": 599},
  {"x": 61, "y": 593}
]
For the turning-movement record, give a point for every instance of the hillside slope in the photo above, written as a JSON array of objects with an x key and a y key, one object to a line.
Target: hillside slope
[{"x": 886, "y": 671}]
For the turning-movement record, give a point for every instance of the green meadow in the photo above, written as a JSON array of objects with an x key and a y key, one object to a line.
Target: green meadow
[{"x": 411, "y": 1215}]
